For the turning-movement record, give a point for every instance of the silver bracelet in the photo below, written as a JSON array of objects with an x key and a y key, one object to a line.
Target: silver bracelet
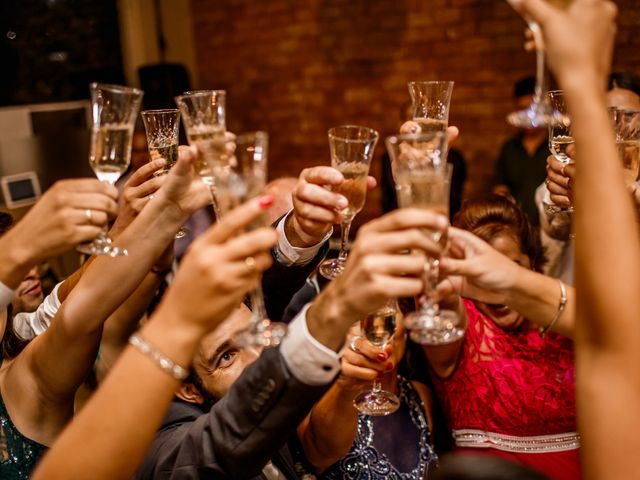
[
  {"x": 561, "y": 305},
  {"x": 164, "y": 362}
]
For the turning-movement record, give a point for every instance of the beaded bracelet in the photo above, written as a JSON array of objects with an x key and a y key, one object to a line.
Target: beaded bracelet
[
  {"x": 561, "y": 305},
  {"x": 164, "y": 362}
]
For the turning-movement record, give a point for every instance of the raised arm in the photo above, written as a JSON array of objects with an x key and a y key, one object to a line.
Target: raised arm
[
  {"x": 579, "y": 43},
  {"x": 110, "y": 442}
]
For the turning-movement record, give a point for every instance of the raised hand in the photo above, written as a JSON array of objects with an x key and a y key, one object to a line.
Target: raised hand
[
  {"x": 225, "y": 263},
  {"x": 560, "y": 178},
  {"x": 69, "y": 213},
  {"x": 578, "y": 40},
  {"x": 315, "y": 207}
]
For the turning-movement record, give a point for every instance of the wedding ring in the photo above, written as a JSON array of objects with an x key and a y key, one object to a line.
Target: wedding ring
[
  {"x": 250, "y": 262},
  {"x": 150, "y": 197},
  {"x": 89, "y": 215},
  {"x": 352, "y": 345}
]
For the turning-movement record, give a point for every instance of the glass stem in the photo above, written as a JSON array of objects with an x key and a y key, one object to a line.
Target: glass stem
[
  {"x": 258, "y": 310},
  {"x": 214, "y": 202},
  {"x": 344, "y": 233},
  {"x": 541, "y": 78},
  {"x": 430, "y": 305},
  {"x": 377, "y": 385}
]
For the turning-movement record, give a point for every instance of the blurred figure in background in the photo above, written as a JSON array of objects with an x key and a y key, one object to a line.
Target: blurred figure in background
[{"x": 520, "y": 167}]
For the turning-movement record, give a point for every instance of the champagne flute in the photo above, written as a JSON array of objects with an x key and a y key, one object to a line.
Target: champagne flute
[
  {"x": 423, "y": 180},
  {"x": 162, "y": 128},
  {"x": 626, "y": 124},
  {"x": 539, "y": 113},
  {"x": 203, "y": 116},
  {"x": 239, "y": 177},
  {"x": 114, "y": 109},
  {"x": 430, "y": 104},
  {"x": 560, "y": 137},
  {"x": 378, "y": 328},
  {"x": 351, "y": 149}
]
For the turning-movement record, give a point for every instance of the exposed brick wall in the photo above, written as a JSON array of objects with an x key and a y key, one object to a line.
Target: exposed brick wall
[{"x": 297, "y": 68}]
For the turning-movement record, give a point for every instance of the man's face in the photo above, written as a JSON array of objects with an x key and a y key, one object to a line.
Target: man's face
[
  {"x": 28, "y": 295},
  {"x": 219, "y": 361}
]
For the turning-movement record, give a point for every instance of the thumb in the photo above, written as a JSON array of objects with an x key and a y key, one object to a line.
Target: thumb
[
  {"x": 186, "y": 157},
  {"x": 467, "y": 240}
]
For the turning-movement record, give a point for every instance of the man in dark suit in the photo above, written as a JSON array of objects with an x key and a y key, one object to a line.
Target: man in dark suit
[{"x": 233, "y": 416}]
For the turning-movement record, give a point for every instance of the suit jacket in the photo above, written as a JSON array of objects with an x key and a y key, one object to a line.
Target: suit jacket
[
  {"x": 280, "y": 283},
  {"x": 241, "y": 433}
]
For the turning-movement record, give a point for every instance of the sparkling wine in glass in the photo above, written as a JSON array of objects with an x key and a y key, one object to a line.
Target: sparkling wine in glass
[
  {"x": 378, "y": 328},
  {"x": 423, "y": 180},
  {"x": 114, "y": 110},
  {"x": 430, "y": 102},
  {"x": 539, "y": 113},
  {"x": 626, "y": 125},
  {"x": 204, "y": 119},
  {"x": 351, "y": 149},
  {"x": 238, "y": 179},
  {"x": 162, "y": 128},
  {"x": 560, "y": 137}
]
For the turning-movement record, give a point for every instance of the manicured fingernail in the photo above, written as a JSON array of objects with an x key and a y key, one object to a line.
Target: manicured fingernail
[
  {"x": 266, "y": 201},
  {"x": 389, "y": 366},
  {"x": 342, "y": 203},
  {"x": 382, "y": 356}
]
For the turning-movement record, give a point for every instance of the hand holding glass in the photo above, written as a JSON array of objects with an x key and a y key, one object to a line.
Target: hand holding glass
[
  {"x": 114, "y": 110},
  {"x": 351, "y": 153},
  {"x": 203, "y": 116},
  {"x": 378, "y": 328},
  {"x": 423, "y": 180},
  {"x": 626, "y": 124},
  {"x": 162, "y": 128},
  {"x": 240, "y": 177}
]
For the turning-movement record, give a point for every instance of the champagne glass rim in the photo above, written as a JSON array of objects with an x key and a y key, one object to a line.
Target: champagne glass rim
[
  {"x": 197, "y": 93},
  {"x": 112, "y": 87},
  {"x": 371, "y": 134},
  {"x": 159, "y": 110},
  {"x": 402, "y": 137},
  {"x": 431, "y": 82},
  {"x": 624, "y": 110}
]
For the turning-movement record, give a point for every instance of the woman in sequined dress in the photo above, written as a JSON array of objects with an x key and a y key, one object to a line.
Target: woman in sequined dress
[
  {"x": 340, "y": 443},
  {"x": 508, "y": 387}
]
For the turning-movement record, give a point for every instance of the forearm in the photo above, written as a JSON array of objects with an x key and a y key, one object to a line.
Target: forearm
[
  {"x": 607, "y": 241},
  {"x": 16, "y": 259},
  {"x": 537, "y": 298},
  {"x": 100, "y": 439},
  {"x": 329, "y": 430},
  {"x": 329, "y": 318},
  {"x": 107, "y": 282}
]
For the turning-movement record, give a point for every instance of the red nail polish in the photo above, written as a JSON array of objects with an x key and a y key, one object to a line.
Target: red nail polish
[
  {"x": 389, "y": 366},
  {"x": 266, "y": 201},
  {"x": 382, "y": 356}
]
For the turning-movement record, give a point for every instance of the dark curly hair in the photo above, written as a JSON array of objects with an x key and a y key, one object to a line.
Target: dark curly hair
[{"x": 495, "y": 215}]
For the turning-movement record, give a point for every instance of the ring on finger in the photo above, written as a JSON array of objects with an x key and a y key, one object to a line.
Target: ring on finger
[
  {"x": 250, "y": 262},
  {"x": 353, "y": 345},
  {"x": 150, "y": 197},
  {"x": 89, "y": 216}
]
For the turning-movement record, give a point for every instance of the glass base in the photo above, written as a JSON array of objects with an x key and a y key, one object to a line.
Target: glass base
[
  {"x": 332, "y": 268},
  {"x": 376, "y": 403},
  {"x": 434, "y": 328},
  {"x": 537, "y": 115},
  {"x": 102, "y": 245},
  {"x": 265, "y": 334}
]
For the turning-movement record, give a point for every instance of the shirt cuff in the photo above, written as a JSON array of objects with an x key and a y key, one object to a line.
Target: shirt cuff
[
  {"x": 288, "y": 254},
  {"x": 307, "y": 359},
  {"x": 6, "y": 295},
  {"x": 29, "y": 325}
]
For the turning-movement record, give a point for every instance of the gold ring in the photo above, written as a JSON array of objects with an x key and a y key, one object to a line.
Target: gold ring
[
  {"x": 89, "y": 215},
  {"x": 352, "y": 345},
  {"x": 250, "y": 262}
]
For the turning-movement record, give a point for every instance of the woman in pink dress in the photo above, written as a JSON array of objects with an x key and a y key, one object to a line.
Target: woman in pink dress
[{"x": 508, "y": 386}]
